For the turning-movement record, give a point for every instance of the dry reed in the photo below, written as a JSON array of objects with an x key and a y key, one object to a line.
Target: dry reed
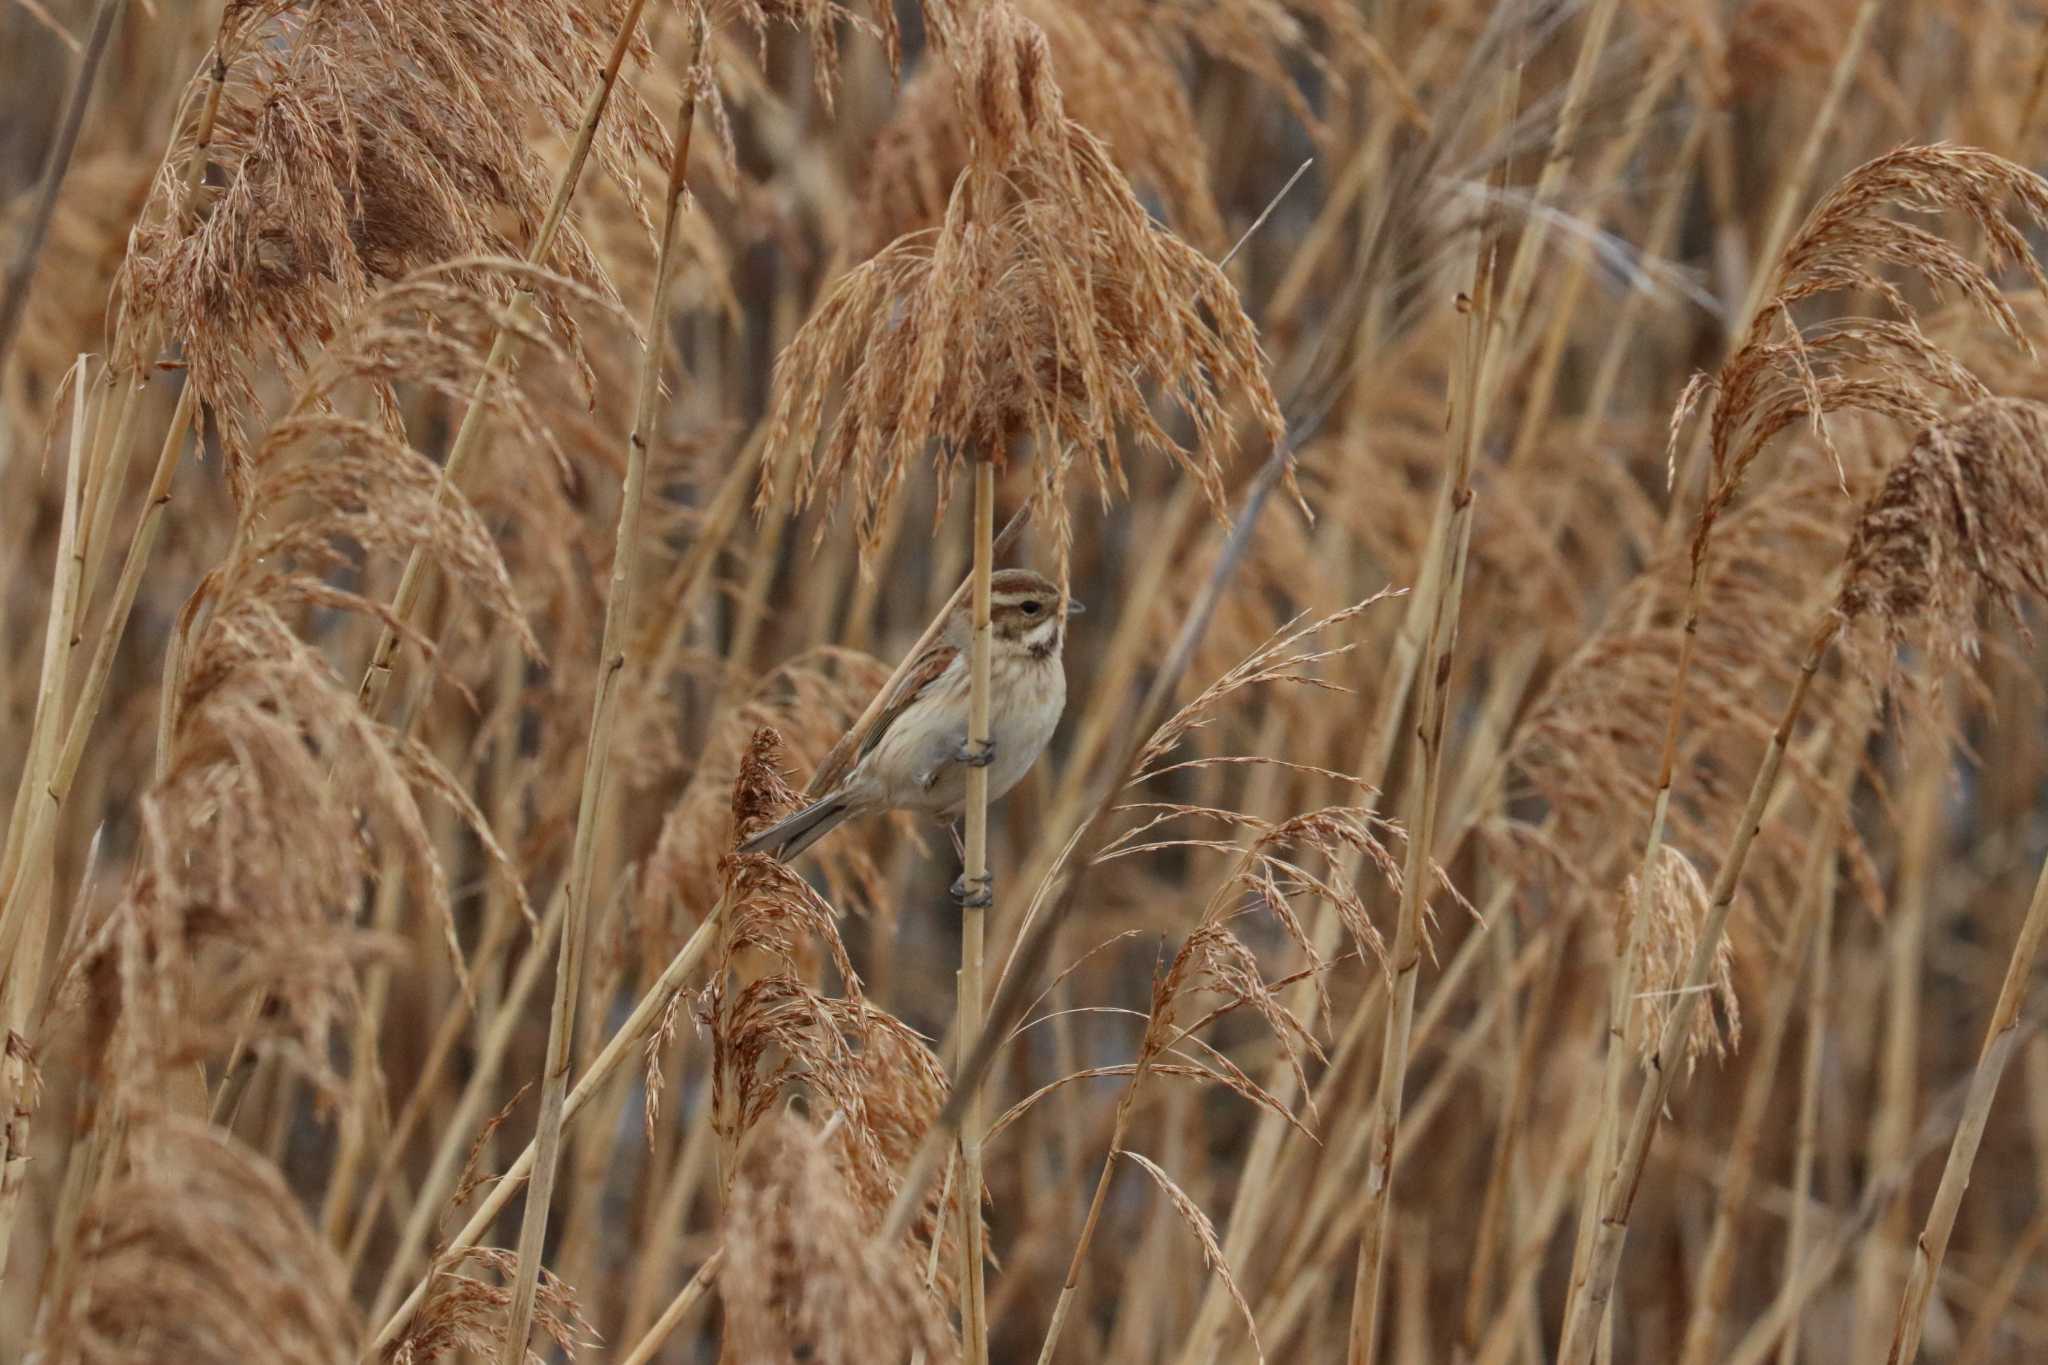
[{"x": 387, "y": 641}]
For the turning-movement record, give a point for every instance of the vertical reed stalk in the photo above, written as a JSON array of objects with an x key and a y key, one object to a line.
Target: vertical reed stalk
[
  {"x": 1599, "y": 1194},
  {"x": 1446, "y": 595},
  {"x": 483, "y": 1068},
  {"x": 668, "y": 1210},
  {"x": 470, "y": 1109},
  {"x": 1780, "y": 225},
  {"x": 1119, "y": 1129},
  {"x": 30, "y": 888},
  {"x": 1738, "y": 1171},
  {"x": 1011, "y": 1000},
  {"x": 1495, "y": 1209},
  {"x": 377, "y": 676},
  {"x": 1604, "y": 1262},
  {"x": 973, "y": 925},
  {"x": 1785, "y": 211},
  {"x": 1819, "y": 1010},
  {"x": 1127, "y": 1104},
  {"x": 604, "y": 704},
  {"x": 47, "y": 724},
  {"x": 1999, "y": 1041},
  {"x": 1501, "y": 1341},
  {"x": 1924, "y": 772},
  {"x": 38, "y": 817},
  {"x": 1256, "y": 1182},
  {"x": 1879, "y": 1193},
  {"x": 624, "y": 1040}
]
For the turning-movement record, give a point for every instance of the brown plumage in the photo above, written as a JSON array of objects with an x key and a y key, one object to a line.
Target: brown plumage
[{"x": 915, "y": 757}]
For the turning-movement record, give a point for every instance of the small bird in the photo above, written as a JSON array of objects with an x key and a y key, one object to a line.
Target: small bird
[{"x": 916, "y": 757}]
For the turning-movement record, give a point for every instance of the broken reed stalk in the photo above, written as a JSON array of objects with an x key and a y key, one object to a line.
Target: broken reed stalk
[
  {"x": 2000, "y": 1040},
  {"x": 38, "y": 816},
  {"x": 974, "y": 923},
  {"x": 377, "y": 676},
  {"x": 31, "y": 875},
  {"x": 1604, "y": 1259},
  {"x": 603, "y": 714},
  {"x": 646, "y": 1014}
]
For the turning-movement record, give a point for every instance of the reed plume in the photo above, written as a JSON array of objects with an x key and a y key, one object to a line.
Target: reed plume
[
  {"x": 389, "y": 651},
  {"x": 1039, "y": 308}
]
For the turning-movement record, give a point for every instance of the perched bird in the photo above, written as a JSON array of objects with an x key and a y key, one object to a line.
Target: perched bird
[{"x": 916, "y": 757}]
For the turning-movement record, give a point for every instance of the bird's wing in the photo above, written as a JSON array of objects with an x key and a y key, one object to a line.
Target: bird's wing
[{"x": 929, "y": 668}]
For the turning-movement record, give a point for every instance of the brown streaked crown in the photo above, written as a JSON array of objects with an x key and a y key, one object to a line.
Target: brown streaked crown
[{"x": 1019, "y": 599}]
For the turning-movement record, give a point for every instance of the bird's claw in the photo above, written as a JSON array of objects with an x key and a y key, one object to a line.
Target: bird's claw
[
  {"x": 976, "y": 755},
  {"x": 978, "y": 894}
]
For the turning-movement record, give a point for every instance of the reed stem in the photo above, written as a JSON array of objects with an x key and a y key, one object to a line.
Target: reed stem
[
  {"x": 597, "y": 754},
  {"x": 621, "y": 1045},
  {"x": 383, "y": 658},
  {"x": 1604, "y": 1261},
  {"x": 2000, "y": 1040},
  {"x": 973, "y": 928}
]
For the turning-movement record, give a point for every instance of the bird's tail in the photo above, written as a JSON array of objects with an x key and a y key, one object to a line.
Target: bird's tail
[{"x": 786, "y": 838}]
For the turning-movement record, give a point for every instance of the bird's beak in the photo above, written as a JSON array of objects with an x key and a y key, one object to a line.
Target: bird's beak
[{"x": 1075, "y": 608}]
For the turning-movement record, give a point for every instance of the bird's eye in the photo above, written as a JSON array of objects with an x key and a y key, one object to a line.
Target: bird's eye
[{"x": 1031, "y": 608}]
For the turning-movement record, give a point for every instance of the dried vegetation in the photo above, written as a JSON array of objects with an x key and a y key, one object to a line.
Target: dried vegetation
[{"x": 1652, "y": 395}]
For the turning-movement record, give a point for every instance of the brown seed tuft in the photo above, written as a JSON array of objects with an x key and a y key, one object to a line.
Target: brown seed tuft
[
  {"x": 1674, "y": 907},
  {"x": 1785, "y": 373},
  {"x": 356, "y": 143},
  {"x": 802, "y": 1281},
  {"x": 464, "y": 1314},
  {"x": 198, "y": 1252},
  {"x": 1039, "y": 308},
  {"x": 1963, "y": 516}
]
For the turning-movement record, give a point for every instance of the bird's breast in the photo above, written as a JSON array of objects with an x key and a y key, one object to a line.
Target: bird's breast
[{"x": 1026, "y": 711}]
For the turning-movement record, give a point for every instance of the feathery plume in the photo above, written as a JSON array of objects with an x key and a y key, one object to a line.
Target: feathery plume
[
  {"x": 802, "y": 1280},
  {"x": 1962, "y": 517},
  {"x": 1675, "y": 906},
  {"x": 1785, "y": 373},
  {"x": 197, "y": 1251},
  {"x": 1038, "y": 309},
  {"x": 355, "y": 143}
]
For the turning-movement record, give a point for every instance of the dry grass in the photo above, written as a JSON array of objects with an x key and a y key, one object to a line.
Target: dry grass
[{"x": 1569, "y": 885}]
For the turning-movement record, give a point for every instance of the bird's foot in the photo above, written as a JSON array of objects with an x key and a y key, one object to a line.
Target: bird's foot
[
  {"x": 978, "y": 894},
  {"x": 977, "y": 755}
]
